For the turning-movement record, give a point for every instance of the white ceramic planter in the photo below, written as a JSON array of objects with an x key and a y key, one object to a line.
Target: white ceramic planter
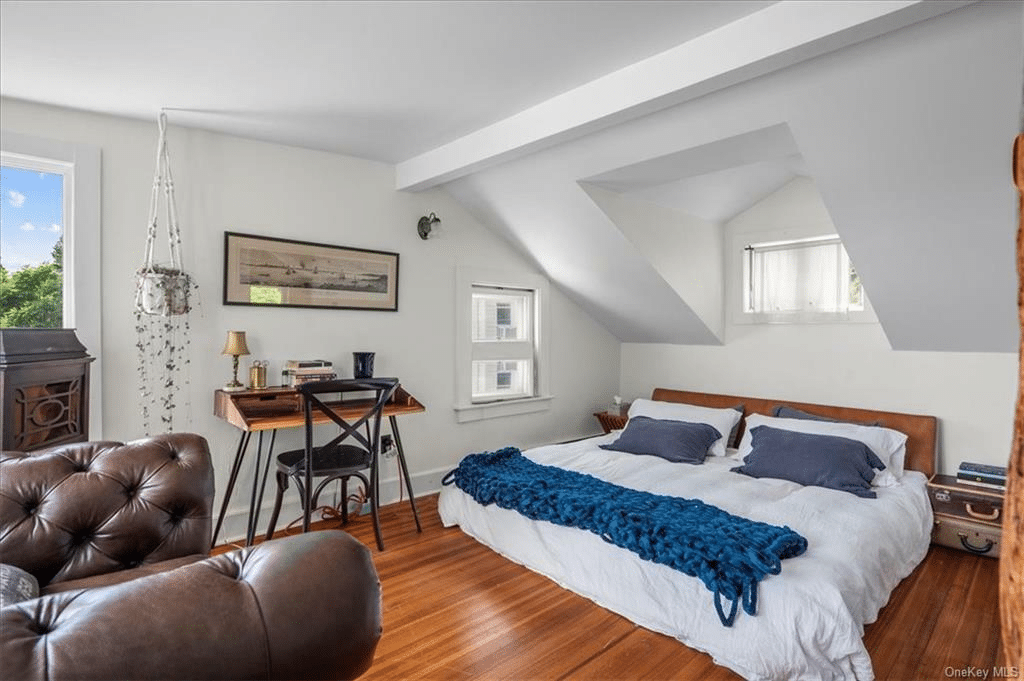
[{"x": 163, "y": 292}]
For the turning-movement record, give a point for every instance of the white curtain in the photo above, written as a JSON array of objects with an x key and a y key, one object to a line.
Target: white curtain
[{"x": 806, "y": 276}]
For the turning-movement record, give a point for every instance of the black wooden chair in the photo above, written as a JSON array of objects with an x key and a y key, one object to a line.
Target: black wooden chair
[{"x": 338, "y": 459}]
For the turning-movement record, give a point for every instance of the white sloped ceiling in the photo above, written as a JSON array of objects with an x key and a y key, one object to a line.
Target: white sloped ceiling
[{"x": 907, "y": 137}]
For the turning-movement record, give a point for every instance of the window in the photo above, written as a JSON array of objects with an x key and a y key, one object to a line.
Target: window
[
  {"x": 52, "y": 189},
  {"x": 800, "y": 279},
  {"x": 504, "y": 348},
  {"x": 32, "y": 244},
  {"x": 500, "y": 344}
]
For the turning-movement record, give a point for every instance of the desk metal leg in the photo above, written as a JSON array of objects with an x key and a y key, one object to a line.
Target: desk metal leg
[
  {"x": 243, "y": 443},
  {"x": 405, "y": 470},
  {"x": 256, "y": 503},
  {"x": 249, "y": 529}
]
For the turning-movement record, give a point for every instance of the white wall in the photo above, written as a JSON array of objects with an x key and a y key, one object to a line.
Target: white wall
[
  {"x": 851, "y": 364},
  {"x": 228, "y": 183},
  {"x": 684, "y": 249}
]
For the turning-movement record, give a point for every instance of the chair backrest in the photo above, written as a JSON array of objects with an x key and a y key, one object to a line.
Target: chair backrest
[{"x": 350, "y": 415}]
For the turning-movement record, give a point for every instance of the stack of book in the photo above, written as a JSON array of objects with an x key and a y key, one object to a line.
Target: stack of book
[
  {"x": 299, "y": 371},
  {"x": 982, "y": 474}
]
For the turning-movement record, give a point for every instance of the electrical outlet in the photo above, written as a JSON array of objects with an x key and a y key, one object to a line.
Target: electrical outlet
[{"x": 387, "y": 447}]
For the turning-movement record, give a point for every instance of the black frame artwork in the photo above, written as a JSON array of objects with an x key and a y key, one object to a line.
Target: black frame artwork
[{"x": 268, "y": 271}]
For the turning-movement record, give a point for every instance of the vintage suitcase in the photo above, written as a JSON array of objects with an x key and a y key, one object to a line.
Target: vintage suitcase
[
  {"x": 970, "y": 502},
  {"x": 967, "y": 517},
  {"x": 957, "y": 533}
]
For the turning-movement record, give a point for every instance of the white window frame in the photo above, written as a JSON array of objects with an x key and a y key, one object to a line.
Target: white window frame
[
  {"x": 504, "y": 349},
  {"x": 465, "y": 280},
  {"x": 79, "y": 164},
  {"x": 736, "y": 293}
]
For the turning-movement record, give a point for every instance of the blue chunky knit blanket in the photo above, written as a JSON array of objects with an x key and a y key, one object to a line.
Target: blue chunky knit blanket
[{"x": 729, "y": 554}]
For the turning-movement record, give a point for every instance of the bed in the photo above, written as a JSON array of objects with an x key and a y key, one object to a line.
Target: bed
[{"x": 810, "y": 618}]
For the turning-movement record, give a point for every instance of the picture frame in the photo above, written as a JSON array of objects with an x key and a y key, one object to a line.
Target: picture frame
[{"x": 266, "y": 271}]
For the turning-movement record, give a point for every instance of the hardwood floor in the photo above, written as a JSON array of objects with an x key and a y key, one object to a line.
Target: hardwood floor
[{"x": 454, "y": 609}]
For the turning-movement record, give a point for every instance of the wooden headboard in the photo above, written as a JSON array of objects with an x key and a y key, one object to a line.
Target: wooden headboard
[{"x": 920, "y": 430}]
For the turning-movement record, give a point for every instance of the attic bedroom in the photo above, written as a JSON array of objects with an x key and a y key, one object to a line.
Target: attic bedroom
[{"x": 669, "y": 340}]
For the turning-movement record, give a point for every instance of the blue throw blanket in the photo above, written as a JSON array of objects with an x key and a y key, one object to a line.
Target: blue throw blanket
[{"x": 729, "y": 554}]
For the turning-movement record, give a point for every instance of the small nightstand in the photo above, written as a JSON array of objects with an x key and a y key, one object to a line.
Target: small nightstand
[
  {"x": 611, "y": 422},
  {"x": 967, "y": 517}
]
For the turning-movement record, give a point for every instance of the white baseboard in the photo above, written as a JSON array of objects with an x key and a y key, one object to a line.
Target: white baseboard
[{"x": 236, "y": 519}]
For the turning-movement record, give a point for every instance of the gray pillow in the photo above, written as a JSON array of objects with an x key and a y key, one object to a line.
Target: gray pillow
[
  {"x": 830, "y": 461},
  {"x": 679, "y": 441},
  {"x": 783, "y": 412},
  {"x": 16, "y": 585}
]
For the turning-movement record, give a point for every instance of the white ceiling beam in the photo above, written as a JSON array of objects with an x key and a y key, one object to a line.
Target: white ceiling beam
[{"x": 773, "y": 38}]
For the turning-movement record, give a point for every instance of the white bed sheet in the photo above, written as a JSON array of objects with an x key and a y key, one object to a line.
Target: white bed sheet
[{"x": 810, "y": 618}]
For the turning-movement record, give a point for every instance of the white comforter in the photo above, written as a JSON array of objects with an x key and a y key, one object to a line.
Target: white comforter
[{"x": 810, "y": 618}]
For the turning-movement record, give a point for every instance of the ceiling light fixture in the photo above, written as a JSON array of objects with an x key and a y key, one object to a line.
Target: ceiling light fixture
[{"x": 426, "y": 225}]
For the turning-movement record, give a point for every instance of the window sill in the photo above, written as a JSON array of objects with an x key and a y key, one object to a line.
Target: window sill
[
  {"x": 465, "y": 413},
  {"x": 858, "y": 317}
]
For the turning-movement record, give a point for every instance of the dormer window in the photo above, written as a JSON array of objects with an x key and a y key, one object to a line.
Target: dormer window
[{"x": 800, "y": 280}]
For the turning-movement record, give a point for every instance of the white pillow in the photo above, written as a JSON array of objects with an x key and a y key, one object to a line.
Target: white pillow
[
  {"x": 888, "y": 445},
  {"x": 721, "y": 419}
]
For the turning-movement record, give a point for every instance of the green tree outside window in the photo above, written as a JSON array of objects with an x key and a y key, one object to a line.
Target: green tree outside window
[{"x": 33, "y": 296}]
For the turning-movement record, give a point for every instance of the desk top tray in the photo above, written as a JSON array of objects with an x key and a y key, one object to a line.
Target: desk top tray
[{"x": 281, "y": 407}]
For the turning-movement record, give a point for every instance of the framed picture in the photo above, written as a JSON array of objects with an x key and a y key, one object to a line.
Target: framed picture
[{"x": 261, "y": 270}]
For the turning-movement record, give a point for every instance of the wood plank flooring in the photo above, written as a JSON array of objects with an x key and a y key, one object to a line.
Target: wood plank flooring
[{"x": 454, "y": 609}]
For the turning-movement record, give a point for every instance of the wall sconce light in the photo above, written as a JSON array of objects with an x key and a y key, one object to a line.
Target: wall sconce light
[
  {"x": 235, "y": 346},
  {"x": 426, "y": 224}
]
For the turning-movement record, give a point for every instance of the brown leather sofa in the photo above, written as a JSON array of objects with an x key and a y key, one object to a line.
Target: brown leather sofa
[{"x": 118, "y": 537}]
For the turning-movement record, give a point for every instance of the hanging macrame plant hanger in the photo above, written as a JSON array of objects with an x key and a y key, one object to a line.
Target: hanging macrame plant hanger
[{"x": 163, "y": 289}]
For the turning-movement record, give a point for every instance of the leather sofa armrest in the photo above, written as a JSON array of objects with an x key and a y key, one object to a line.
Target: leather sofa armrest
[{"x": 302, "y": 607}]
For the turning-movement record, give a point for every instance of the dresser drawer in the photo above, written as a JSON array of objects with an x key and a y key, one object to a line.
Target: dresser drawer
[
  {"x": 268, "y": 403},
  {"x": 979, "y": 538},
  {"x": 965, "y": 501}
]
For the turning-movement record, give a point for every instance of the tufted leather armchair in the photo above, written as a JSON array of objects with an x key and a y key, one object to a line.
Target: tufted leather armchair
[{"x": 118, "y": 536}]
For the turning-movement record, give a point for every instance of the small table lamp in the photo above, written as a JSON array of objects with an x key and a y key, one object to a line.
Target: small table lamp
[{"x": 235, "y": 346}]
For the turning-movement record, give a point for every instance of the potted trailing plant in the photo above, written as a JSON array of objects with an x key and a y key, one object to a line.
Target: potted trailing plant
[
  {"x": 162, "y": 290},
  {"x": 162, "y": 304}
]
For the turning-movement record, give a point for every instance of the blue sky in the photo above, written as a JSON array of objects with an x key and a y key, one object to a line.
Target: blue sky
[{"x": 31, "y": 216}]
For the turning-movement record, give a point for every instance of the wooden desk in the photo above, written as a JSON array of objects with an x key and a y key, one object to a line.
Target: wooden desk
[{"x": 257, "y": 411}]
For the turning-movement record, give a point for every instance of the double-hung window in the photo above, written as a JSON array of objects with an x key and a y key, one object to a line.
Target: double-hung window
[
  {"x": 800, "y": 280},
  {"x": 504, "y": 345},
  {"x": 501, "y": 344}
]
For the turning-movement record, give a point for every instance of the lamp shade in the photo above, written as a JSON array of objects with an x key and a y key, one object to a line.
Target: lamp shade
[{"x": 235, "y": 344}]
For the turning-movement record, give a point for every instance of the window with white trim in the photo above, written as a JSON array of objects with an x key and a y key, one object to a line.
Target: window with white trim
[
  {"x": 76, "y": 168},
  {"x": 796, "y": 279},
  {"x": 501, "y": 344},
  {"x": 504, "y": 346}
]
